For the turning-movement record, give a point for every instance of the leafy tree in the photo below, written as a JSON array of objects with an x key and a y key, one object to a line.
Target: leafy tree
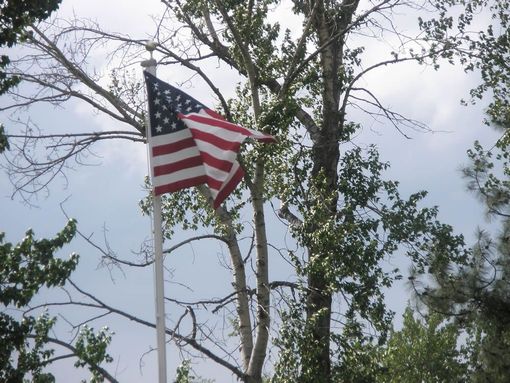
[
  {"x": 185, "y": 375},
  {"x": 15, "y": 17},
  {"x": 423, "y": 351},
  {"x": 486, "y": 51},
  {"x": 476, "y": 292},
  {"x": 303, "y": 88},
  {"x": 26, "y": 349}
]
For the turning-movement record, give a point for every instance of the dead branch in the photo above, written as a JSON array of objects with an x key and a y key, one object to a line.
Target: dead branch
[
  {"x": 35, "y": 160},
  {"x": 186, "y": 340}
]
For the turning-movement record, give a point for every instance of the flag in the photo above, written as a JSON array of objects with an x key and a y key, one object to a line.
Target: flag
[{"x": 192, "y": 145}]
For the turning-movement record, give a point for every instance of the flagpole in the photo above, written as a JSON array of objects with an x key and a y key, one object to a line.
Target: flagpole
[{"x": 150, "y": 66}]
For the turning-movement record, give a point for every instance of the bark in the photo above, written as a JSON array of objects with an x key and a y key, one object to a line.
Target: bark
[
  {"x": 239, "y": 282},
  {"x": 263, "y": 298},
  {"x": 326, "y": 154},
  {"x": 258, "y": 356}
]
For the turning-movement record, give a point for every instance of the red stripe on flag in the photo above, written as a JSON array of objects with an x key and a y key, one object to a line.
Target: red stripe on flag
[
  {"x": 229, "y": 187},
  {"x": 172, "y": 147},
  {"x": 263, "y": 137},
  {"x": 215, "y": 140},
  {"x": 218, "y": 123},
  {"x": 188, "y": 182},
  {"x": 178, "y": 185},
  {"x": 214, "y": 114},
  {"x": 215, "y": 162},
  {"x": 213, "y": 183},
  {"x": 190, "y": 162}
]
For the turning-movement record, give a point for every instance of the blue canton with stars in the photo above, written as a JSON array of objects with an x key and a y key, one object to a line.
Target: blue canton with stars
[{"x": 165, "y": 102}]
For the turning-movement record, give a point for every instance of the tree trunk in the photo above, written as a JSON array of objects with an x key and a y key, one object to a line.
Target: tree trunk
[{"x": 330, "y": 25}]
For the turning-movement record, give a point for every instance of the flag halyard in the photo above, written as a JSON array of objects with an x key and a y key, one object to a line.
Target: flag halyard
[{"x": 192, "y": 145}]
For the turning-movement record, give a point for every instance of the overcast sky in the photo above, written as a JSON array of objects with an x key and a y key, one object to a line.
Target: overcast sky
[{"x": 104, "y": 198}]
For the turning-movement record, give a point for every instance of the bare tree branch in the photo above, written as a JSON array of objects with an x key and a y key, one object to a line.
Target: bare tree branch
[{"x": 189, "y": 341}]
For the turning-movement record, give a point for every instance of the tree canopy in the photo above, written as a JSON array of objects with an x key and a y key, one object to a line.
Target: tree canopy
[{"x": 28, "y": 346}]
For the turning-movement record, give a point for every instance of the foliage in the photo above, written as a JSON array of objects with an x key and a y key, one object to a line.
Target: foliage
[
  {"x": 30, "y": 265},
  {"x": 475, "y": 292},
  {"x": 90, "y": 349},
  {"x": 375, "y": 221},
  {"x": 358, "y": 360},
  {"x": 24, "y": 269},
  {"x": 184, "y": 374},
  {"x": 4, "y": 143},
  {"x": 15, "y": 17},
  {"x": 486, "y": 349},
  {"x": 486, "y": 51},
  {"x": 26, "y": 347},
  {"x": 423, "y": 351}
]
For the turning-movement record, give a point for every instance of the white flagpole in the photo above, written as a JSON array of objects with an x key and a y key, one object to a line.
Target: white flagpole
[{"x": 150, "y": 66}]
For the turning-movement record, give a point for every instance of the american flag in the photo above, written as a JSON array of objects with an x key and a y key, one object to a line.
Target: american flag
[{"x": 191, "y": 144}]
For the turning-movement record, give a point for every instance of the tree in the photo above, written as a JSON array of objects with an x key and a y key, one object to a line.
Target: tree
[
  {"x": 485, "y": 51},
  {"x": 423, "y": 351},
  {"x": 475, "y": 292},
  {"x": 26, "y": 347},
  {"x": 15, "y": 17},
  {"x": 344, "y": 217}
]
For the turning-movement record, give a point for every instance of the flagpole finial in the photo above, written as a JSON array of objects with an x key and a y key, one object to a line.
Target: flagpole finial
[{"x": 150, "y": 46}]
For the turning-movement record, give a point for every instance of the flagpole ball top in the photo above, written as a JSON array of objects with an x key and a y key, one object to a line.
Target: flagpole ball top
[{"x": 151, "y": 45}]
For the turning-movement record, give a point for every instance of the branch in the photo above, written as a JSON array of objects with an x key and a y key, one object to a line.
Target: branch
[
  {"x": 190, "y": 341},
  {"x": 287, "y": 215},
  {"x": 92, "y": 365},
  {"x": 395, "y": 118},
  {"x": 25, "y": 169},
  {"x": 51, "y": 48},
  {"x": 262, "y": 274},
  {"x": 60, "y": 357},
  {"x": 396, "y": 60},
  {"x": 334, "y": 37},
  {"x": 196, "y": 238},
  {"x": 223, "y": 53},
  {"x": 239, "y": 274},
  {"x": 300, "y": 47},
  {"x": 66, "y": 94},
  {"x": 92, "y": 136}
]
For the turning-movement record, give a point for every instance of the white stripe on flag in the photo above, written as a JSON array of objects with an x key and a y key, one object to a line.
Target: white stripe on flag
[
  {"x": 179, "y": 176},
  {"x": 171, "y": 158},
  {"x": 217, "y": 174},
  {"x": 164, "y": 139},
  {"x": 207, "y": 147}
]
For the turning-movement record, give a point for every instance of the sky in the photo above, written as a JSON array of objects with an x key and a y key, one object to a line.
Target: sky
[{"x": 104, "y": 196}]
